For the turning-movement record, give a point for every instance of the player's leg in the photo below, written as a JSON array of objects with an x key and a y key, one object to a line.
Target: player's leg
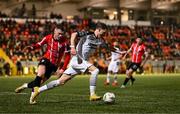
[
  {"x": 110, "y": 67},
  {"x": 115, "y": 82},
  {"x": 42, "y": 81},
  {"x": 59, "y": 82},
  {"x": 132, "y": 80},
  {"x": 36, "y": 82},
  {"x": 50, "y": 68},
  {"x": 107, "y": 81},
  {"x": 67, "y": 75},
  {"x": 129, "y": 73},
  {"x": 134, "y": 68},
  {"x": 115, "y": 72},
  {"x": 93, "y": 78},
  {"x": 40, "y": 73}
]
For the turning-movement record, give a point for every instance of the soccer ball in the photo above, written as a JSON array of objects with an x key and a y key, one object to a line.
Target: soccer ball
[{"x": 109, "y": 98}]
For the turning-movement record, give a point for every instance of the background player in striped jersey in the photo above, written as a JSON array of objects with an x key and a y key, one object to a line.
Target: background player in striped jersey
[
  {"x": 57, "y": 47},
  {"x": 113, "y": 67},
  {"x": 79, "y": 63},
  {"x": 138, "y": 50}
]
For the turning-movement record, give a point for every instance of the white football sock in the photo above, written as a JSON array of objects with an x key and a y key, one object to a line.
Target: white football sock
[
  {"x": 115, "y": 78},
  {"x": 25, "y": 85},
  {"x": 93, "y": 79},
  {"x": 50, "y": 85},
  {"x": 92, "y": 90},
  {"x": 108, "y": 77}
]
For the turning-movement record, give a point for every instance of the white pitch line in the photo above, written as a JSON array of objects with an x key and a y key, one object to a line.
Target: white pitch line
[{"x": 12, "y": 93}]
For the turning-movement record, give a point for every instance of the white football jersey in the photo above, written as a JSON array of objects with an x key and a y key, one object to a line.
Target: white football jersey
[
  {"x": 87, "y": 45},
  {"x": 115, "y": 54}
]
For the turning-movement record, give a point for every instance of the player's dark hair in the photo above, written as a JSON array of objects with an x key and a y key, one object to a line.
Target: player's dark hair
[
  {"x": 142, "y": 39},
  {"x": 100, "y": 25},
  {"x": 59, "y": 26}
]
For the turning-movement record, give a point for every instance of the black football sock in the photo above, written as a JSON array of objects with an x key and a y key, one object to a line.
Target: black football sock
[
  {"x": 31, "y": 84},
  {"x": 126, "y": 81},
  {"x": 132, "y": 79},
  {"x": 37, "y": 81}
]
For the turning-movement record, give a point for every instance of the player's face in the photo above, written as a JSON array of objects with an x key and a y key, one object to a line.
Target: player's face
[
  {"x": 138, "y": 40},
  {"x": 57, "y": 33},
  {"x": 115, "y": 44},
  {"x": 101, "y": 33}
]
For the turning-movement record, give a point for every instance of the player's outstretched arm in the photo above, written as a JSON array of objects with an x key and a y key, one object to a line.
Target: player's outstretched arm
[
  {"x": 120, "y": 57},
  {"x": 109, "y": 58},
  {"x": 127, "y": 52},
  {"x": 72, "y": 46},
  {"x": 37, "y": 45},
  {"x": 123, "y": 52}
]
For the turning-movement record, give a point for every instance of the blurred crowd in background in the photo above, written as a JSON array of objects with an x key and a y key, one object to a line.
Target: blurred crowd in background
[{"x": 162, "y": 41}]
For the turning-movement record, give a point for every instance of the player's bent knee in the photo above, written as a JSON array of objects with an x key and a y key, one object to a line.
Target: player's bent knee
[
  {"x": 62, "y": 82},
  {"x": 128, "y": 73},
  {"x": 95, "y": 72},
  {"x": 64, "y": 79}
]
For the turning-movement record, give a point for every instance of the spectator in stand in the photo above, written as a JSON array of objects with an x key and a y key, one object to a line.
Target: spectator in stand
[
  {"x": 176, "y": 50},
  {"x": 19, "y": 67},
  {"x": 7, "y": 69},
  {"x": 33, "y": 11},
  {"x": 22, "y": 11},
  {"x": 1, "y": 66}
]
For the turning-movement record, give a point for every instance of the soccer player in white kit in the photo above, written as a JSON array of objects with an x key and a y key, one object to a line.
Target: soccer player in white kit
[
  {"x": 86, "y": 46},
  {"x": 113, "y": 67}
]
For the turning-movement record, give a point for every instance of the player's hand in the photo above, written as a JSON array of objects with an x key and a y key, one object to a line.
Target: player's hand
[
  {"x": 108, "y": 59},
  {"x": 141, "y": 65},
  {"x": 124, "y": 52},
  {"x": 124, "y": 57},
  {"x": 59, "y": 72},
  {"x": 73, "y": 51}
]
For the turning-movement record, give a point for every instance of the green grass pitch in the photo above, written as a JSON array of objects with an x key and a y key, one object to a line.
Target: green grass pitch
[{"x": 149, "y": 94}]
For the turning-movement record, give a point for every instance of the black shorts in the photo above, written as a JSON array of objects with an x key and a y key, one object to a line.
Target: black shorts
[
  {"x": 50, "y": 68},
  {"x": 134, "y": 66}
]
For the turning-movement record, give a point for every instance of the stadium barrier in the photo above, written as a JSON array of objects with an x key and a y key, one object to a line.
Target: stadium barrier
[
  {"x": 163, "y": 66},
  {"x": 157, "y": 66}
]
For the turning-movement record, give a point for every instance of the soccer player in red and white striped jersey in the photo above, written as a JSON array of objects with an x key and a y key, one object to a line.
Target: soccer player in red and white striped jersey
[
  {"x": 57, "y": 47},
  {"x": 138, "y": 50}
]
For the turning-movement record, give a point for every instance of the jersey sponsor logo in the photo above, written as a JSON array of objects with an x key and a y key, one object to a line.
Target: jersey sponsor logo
[
  {"x": 42, "y": 60},
  {"x": 92, "y": 45},
  {"x": 134, "y": 66}
]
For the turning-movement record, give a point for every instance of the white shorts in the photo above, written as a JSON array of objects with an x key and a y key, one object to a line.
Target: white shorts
[
  {"x": 75, "y": 68},
  {"x": 114, "y": 66}
]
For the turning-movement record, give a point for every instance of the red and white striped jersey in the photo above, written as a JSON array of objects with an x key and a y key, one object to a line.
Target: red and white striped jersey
[
  {"x": 55, "y": 50},
  {"x": 137, "y": 52}
]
